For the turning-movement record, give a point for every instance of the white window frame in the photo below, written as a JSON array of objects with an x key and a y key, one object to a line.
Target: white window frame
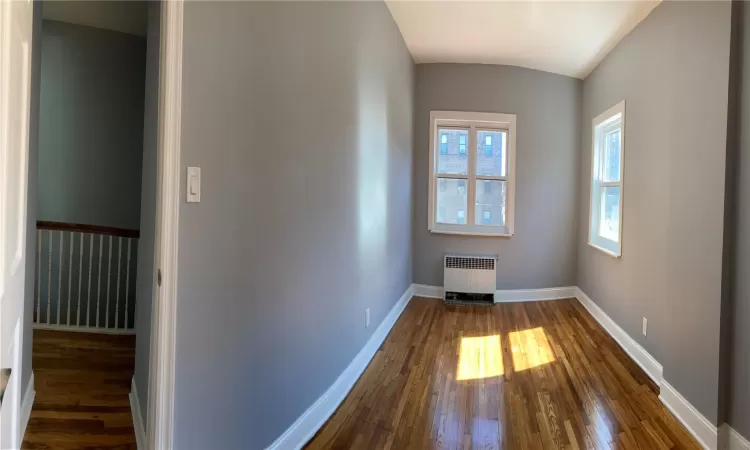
[
  {"x": 474, "y": 122},
  {"x": 612, "y": 118}
]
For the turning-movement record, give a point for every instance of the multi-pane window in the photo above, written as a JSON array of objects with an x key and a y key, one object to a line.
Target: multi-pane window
[
  {"x": 471, "y": 173},
  {"x": 608, "y": 151}
]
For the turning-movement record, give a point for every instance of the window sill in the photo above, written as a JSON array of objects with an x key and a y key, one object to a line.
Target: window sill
[
  {"x": 604, "y": 250},
  {"x": 472, "y": 233}
]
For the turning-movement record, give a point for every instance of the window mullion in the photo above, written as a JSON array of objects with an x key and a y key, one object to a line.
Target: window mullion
[
  {"x": 472, "y": 195},
  {"x": 452, "y": 176}
]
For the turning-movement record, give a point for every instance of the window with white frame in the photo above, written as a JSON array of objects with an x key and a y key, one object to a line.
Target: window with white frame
[
  {"x": 608, "y": 154},
  {"x": 472, "y": 160}
]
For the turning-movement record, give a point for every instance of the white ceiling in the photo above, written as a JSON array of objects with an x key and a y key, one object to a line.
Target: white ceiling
[
  {"x": 125, "y": 16},
  {"x": 569, "y": 38}
]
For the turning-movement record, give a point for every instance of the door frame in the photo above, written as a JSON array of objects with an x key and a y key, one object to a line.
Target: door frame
[{"x": 160, "y": 415}]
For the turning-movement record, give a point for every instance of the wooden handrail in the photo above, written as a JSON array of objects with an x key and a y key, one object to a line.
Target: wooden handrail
[{"x": 82, "y": 228}]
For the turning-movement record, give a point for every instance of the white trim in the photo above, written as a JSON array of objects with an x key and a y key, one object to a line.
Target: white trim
[
  {"x": 83, "y": 329},
  {"x": 731, "y": 439},
  {"x": 639, "y": 354},
  {"x": 597, "y": 241},
  {"x": 701, "y": 428},
  {"x": 135, "y": 409},
  {"x": 305, "y": 427},
  {"x": 473, "y": 122},
  {"x": 531, "y": 295},
  {"x": 424, "y": 290},
  {"x": 27, "y": 405},
  {"x": 161, "y": 369}
]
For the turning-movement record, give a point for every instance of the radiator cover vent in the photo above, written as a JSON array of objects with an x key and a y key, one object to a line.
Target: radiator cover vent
[
  {"x": 469, "y": 262},
  {"x": 469, "y": 280}
]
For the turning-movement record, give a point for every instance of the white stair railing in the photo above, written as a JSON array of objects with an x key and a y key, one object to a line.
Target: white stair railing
[{"x": 85, "y": 278}]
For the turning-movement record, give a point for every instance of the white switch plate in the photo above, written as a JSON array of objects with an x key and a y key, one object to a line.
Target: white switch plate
[
  {"x": 367, "y": 317},
  {"x": 645, "y": 326},
  {"x": 193, "y": 184}
]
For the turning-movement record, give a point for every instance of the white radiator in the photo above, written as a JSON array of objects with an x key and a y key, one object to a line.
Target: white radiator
[{"x": 469, "y": 275}]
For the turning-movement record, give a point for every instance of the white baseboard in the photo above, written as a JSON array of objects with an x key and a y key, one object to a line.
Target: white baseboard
[
  {"x": 731, "y": 439},
  {"x": 510, "y": 295},
  {"x": 135, "y": 409},
  {"x": 701, "y": 428},
  {"x": 424, "y": 290},
  {"x": 82, "y": 329},
  {"x": 639, "y": 354},
  {"x": 27, "y": 405},
  {"x": 305, "y": 427},
  {"x": 532, "y": 295}
]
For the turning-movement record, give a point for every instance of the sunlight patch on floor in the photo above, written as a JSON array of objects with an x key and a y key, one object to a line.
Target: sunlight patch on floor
[
  {"x": 530, "y": 348},
  {"x": 480, "y": 357}
]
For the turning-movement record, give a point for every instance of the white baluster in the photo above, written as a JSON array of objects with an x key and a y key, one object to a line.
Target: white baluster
[
  {"x": 127, "y": 284},
  {"x": 38, "y": 276},
  {"x": 99, "y": 280},
  {"x": 117, "y": 297},
  {"x": 80, "y": 274},
  {"x": 70, "y": 273},
  {"x": 109, "y": 274},
  {"x": 49, "y": 278},
  {"x": 59, "y": 278},
  {"x": 88, "y": 290}
]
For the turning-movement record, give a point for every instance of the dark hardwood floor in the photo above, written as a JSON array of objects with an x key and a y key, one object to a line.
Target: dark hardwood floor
[
  {"x": 514, "y": 376},
  {"x": 82, "y": 384}
]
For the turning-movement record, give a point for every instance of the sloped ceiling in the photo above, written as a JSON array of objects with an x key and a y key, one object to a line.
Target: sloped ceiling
[{"x": 568, "y": 38}]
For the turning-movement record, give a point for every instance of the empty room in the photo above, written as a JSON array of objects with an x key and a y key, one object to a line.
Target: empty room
[{"x": 426, "y": 225}]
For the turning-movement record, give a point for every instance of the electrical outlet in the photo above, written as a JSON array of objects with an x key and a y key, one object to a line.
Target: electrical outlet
[
  {"x": 367, "y": 317},
  {"x": 645, "y": 326}
]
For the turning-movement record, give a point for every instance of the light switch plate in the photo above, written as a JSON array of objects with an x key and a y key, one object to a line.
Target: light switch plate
[{"x": 193, "y": 184}]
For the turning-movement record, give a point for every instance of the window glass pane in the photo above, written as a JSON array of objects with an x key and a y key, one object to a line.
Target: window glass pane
[
  {"x": 491, "y": 153},
  {"x": 451, "y": 201},
  {"x": 609, "y": 213},
  {"x": 611, "y": 156},
  {"x": 490, "y": 206},
  {"x": 451, "y": 158}
]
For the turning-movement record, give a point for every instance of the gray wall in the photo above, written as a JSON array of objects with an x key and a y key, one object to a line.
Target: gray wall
[
  {"x": 739, "y": 394},
  {"x": 31, "y": 205},
  {"x": 672, "y": 71},
  {"x": 91, "y": 126},
  {"x": 300, "y": 116},
  {"x": 542, "y": 252},
  {"x": 148, "y": 210}
]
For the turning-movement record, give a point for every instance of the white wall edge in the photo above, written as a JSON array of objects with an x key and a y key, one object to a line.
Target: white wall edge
[
  {"x": 76, "y": 329},
  {"x": 532, "y": 295},
  {"x": 639, "y": 354},
  {"x": 161, "y": 373},
  {"x": 27, "y": 405},
  {"x": 305, "y": 427},
  {"x": 701, "y": 428},
  {"x": 731, "y": 439},
  {"x": 135, "y": 409}
]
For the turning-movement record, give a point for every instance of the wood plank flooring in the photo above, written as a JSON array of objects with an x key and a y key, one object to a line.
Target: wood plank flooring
[
  {"x": 82, "y": 383},
  {"x": 536, "y": 375}
]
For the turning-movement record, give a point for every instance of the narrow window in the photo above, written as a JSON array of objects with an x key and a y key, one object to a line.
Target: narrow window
[
  {"x": 462, "y": 145},
  {"x": 488, "y": 146},
  {"x": 487, "y": 218},
  {"x": 608, "y": 151}
]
